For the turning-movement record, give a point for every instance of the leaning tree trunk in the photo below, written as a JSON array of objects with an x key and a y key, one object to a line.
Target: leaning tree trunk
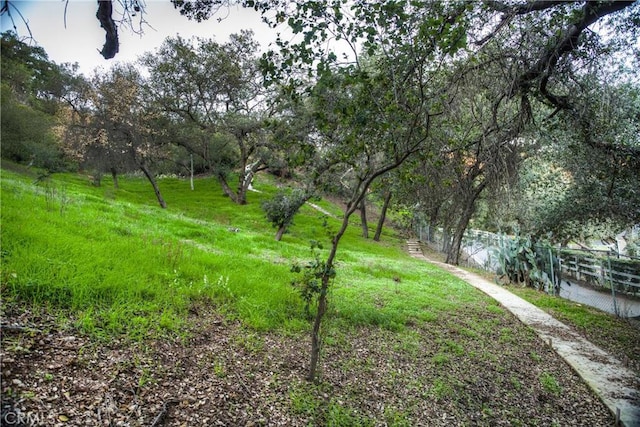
[
  {"x": 453, "y": 254},
  {"x": 280, "y": 232},
  {"x": 243, "y": 185},
  {"x": 363, "y": 219},
  {"x": 226, "y": 189},
  {"x": 154, "y": 184},
  {"x": 383, "y": 216}
]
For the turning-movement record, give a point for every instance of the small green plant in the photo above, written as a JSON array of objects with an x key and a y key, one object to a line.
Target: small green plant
[
  {"x": 550, "y": 384},
  {"x": 309, "y": 284},
  {"x": 395, "y": 418},
  {"x": 304, "y": 403},
  {"x": 515, "y": 383},
  {"x": 146, "y": 377},
  {"x": 506, "y": 335},
  {"x": 487, "y": 412},
  {"x": 340, "y": 416},
  {"x": 221, "y": 289},
  {"x": 535, "y": 356},
  {"x": 175, "y": 253},
  {"x": 55, "y": 196},
  {"x": 251, "y": 342},
  {"x": 440, "y": 359},
  {"x": 441, "y": 389},
  {"x": 28, "y": 394},
  {"x": 219, "y": 369}
]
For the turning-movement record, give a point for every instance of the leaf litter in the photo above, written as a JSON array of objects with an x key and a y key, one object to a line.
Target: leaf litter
[{"x": 452, "y": 371}]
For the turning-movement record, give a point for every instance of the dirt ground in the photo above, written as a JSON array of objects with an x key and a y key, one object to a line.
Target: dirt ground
[{"x": 438, "y": 374}]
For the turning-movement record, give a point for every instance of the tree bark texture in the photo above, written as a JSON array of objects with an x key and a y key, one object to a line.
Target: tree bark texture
[
  {"x": 363, "y": 219},
  {"x": 226, "y": 189},
  {"x": 453, "y": 254},
  {"x": 383, "y": 216}
]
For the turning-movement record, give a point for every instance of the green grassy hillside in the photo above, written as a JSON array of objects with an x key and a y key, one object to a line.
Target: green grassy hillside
[{"x": 121, "y": 265}]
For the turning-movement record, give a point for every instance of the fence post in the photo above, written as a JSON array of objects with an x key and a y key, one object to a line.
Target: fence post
[
  {"x": 552, "y": 275},
  {"x": 613, "y": 290},
  {"x": 559, "y": 272}
]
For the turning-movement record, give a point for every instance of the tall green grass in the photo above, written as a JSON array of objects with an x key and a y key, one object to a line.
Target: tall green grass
[{"x": 117, "y": 264}]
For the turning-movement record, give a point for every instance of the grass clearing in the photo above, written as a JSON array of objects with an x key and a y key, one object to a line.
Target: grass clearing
[{"x": 123, "y": 266}]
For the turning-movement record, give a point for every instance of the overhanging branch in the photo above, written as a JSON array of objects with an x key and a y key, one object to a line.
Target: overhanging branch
[
  {"x": 569, "y": 41},
  {"x": 111, "y": 44}
]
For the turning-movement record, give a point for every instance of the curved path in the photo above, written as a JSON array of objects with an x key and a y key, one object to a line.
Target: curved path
[{"x": 616, "y": 385}]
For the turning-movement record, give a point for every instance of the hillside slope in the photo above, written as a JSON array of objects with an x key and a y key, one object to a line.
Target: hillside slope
[{"x": 124, "y": 313}]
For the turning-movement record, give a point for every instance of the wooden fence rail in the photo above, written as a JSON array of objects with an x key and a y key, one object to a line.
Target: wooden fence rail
[
  {"x": 599, "y": 269},
  {"x": 596, "y": 272}
]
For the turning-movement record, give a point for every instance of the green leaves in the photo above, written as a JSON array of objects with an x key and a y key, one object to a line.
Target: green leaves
[
  {"x": 281, "y": 209},
  {"x": 311, "y": 276}
]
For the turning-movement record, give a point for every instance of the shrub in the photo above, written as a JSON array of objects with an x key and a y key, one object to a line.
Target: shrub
[{"x": 281, "y": 209}]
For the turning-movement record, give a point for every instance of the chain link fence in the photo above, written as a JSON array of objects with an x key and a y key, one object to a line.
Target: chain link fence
[{"x": 601, "y": 279}]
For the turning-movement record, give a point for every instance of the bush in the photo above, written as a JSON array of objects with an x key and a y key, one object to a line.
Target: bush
[{"x": 281, "y": 209}]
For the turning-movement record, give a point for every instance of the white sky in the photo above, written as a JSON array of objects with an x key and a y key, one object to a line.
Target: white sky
[{"x": 83, "y": 38}]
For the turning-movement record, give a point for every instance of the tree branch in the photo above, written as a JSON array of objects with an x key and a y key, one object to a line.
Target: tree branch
[
  {"x": 591, "y": 12},
  {"x": 524, "y": 8},
  {"x": 111, "y": 44}
]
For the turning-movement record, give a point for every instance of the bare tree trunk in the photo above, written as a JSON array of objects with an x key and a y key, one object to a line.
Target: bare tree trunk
[
  {"x": 114, "y": 175},
  {"x": 453, "y": 254},
  {"x": 241, "y": 195},
  {"x": 280, "y": 232},
  {"x": 445, "y": 239},
  {"x": 383, "y": 215},
  {"x": 315, "y": 332},
  {"x": 191, "y": 170},
  {"x": 154, "y": 184},
  {"x": 363, "y": 219}
]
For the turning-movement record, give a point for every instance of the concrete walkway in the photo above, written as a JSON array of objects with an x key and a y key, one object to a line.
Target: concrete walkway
[{"x": 616, "y": 385}]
